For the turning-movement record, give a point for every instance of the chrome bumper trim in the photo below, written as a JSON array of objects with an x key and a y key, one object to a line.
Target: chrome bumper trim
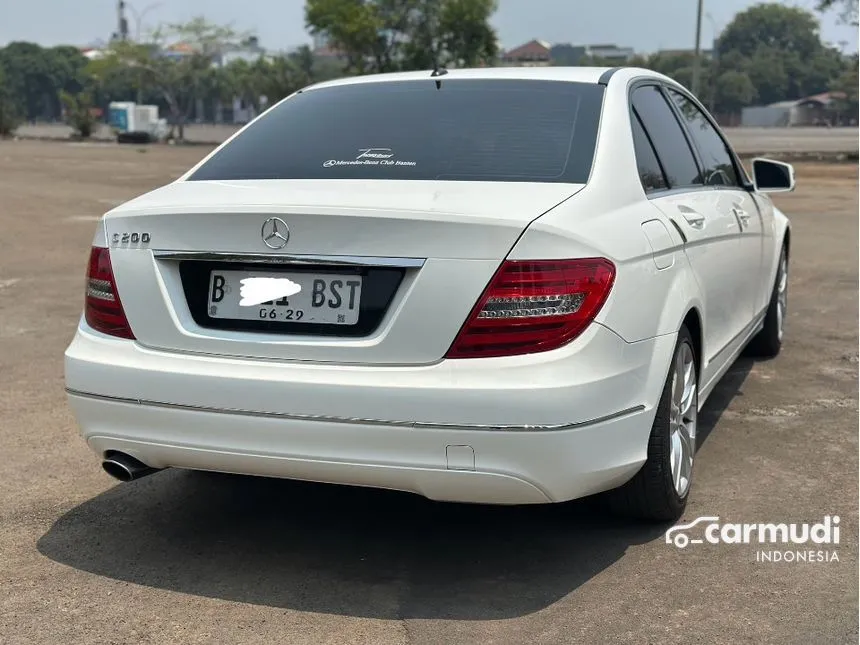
[
  {"x": 358, "y": 421},
  {"x": 288, "y": 258}
]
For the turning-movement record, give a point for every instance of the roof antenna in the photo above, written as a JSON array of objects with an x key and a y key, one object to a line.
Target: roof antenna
[{"x": 438, "y": 71}]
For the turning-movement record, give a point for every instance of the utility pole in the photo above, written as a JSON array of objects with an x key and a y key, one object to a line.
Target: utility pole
[
  {"x": 715, "y": 59},
  {"x": 122, "y": 23},
  {"x": 697, "y": 62}
]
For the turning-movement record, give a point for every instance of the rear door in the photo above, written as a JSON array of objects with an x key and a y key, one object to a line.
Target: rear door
[
  {"x": 710, "y": 231},
  {"x": 725, "y": 176}
]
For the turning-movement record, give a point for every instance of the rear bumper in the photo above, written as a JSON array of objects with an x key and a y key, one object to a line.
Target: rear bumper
[
  {"x": 532, "y": 429},
  {"x": 493, "y": 467}
]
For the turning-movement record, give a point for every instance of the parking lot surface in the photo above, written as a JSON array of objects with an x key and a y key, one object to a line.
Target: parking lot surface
[
  {"x": 181, "y": 557},
  {"x": 753, "y": 141}
]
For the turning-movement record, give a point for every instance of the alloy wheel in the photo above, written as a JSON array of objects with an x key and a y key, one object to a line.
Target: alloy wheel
[
  {"x": 781, "y": 295},
  {"x": 682, "y": 419}
]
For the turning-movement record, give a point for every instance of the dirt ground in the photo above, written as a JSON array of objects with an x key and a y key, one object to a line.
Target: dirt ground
[{"x": 184, "y": 557}]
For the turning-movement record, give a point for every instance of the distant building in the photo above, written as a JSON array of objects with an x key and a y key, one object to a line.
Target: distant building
[
  {"x": 567, "y": 55},
  {"x": 326, "y": 51},
  {"x": 92, "y": 53},
  {"x": 535, "y": 53},
  {"x": 707, "y": 54},
  {"x": 94, "y": 50},
  {"x": 538, "y": 53},
  {"x": 610, "y": 53},
  {"x": 249, "y": 51},
  {"x": 819, "y": 109},
  {"x": 177, "y": 50},
  {"x": 323, "y": 49}
]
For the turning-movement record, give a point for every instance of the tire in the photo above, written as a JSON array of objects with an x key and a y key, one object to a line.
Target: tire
[
  {"x": 768, "y": 342},
  {"x": 134, "y": 137},
  {"x": 655, "y": 493}
]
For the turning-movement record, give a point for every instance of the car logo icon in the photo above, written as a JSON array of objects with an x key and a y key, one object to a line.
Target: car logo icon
[
  {"x": 275, "y": 233},
  {"x": 676, "y": 536}
]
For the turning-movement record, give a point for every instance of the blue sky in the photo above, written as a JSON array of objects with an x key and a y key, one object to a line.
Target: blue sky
[{"x": 646, "y": 25}]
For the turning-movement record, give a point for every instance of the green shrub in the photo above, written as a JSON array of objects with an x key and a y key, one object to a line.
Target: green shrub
[{"x": 79, "y": 113}]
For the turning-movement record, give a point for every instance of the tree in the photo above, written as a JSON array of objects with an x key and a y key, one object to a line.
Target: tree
[
  {"x": 26, "y": 77},
  {"x": 733, "y": 90},
  {"x": 780, "y": 50},
  {"x": 236, "y": 79},
  {"x": 773, "y": 26},
  {"x": 354, "y": 28},
  {"x": 114, "y": 82},
  {"x": 69, "y": 68},
  {"x": 35, "y": 75},
  {"x": 679, "y": 66},
  {"x": 180, "y": 75},
  {"x": 303, "y": 63},
  {"x": 328, "y": 67},
  {"x": 451, "y": 33},
  {"x": 183, "y": 69},
  {"x": 9, "y": 110},
  {"x": 280, "y": 79},
  {"x": 272, "y": 78},
  {"x": 847, "y": 8},
  {"x": 766, "y": 69},
  {"x": 391, "y": 35},
  {"x": 846, "y": 85}
]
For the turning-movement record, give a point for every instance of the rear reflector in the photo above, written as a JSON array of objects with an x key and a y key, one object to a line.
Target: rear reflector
[
  {"x": 534, "y": 306},
  {"x": 103, "y": 309}
]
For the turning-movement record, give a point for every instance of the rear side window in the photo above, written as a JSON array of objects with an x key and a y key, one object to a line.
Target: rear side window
[
  {"x": 650, "y": 171},
  {"x": 668, "y": 138},
  {"x": 719, "y": 170},
  {"x": 468, "y": 130}
]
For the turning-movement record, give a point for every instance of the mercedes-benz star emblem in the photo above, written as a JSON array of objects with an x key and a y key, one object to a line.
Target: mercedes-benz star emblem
[{"x": 275, "y": 233}]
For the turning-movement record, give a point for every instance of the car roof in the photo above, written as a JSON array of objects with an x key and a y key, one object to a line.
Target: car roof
[{"x": 570, "y": 74}]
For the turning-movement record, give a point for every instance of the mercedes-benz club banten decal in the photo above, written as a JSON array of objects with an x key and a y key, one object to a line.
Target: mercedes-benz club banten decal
[{"x": 370, "y": 157}]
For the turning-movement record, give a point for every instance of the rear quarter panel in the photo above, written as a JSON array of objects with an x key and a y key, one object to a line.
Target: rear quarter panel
[
  {"x": 605, "y": 219},
  {"x": 645, "y": 301}
]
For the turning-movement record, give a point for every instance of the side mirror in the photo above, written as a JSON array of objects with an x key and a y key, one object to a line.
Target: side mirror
[{"x": 771, "y": 176}]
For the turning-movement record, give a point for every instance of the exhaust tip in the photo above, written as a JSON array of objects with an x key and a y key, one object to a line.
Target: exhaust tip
[
  {"x": 124, "y": 467},
  {"x": 117, "y": 470}
]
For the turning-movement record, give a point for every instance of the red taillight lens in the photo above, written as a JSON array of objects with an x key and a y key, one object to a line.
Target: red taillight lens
[
  {"x": 534, "y": 306},
  {"x": 103, "y": 310}
]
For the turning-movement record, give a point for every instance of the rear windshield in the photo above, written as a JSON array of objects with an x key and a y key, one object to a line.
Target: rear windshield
[{"x": 468, "y": 130}]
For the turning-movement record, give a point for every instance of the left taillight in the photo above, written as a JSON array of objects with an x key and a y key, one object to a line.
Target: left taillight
[{"x": 103, "y": 310}]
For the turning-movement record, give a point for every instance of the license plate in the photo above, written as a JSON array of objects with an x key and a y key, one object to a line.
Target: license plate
[{"x": 322, "y": 299}]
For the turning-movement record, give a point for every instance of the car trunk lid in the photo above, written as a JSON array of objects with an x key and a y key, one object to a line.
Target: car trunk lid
[{"x": 423, "y": 252}]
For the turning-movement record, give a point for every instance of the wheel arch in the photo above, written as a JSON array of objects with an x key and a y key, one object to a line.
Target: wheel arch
[
  {"x": 693, "y": 323},
  {"x": 782, "y": 232}
]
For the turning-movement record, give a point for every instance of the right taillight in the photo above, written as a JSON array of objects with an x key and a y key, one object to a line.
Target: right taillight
[
  {"x": 103, "y": 309},
  {"x": 534, "y": 306}
]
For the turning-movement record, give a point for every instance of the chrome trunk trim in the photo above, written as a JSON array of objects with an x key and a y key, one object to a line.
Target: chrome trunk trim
[{"x": 290, "y": 258}]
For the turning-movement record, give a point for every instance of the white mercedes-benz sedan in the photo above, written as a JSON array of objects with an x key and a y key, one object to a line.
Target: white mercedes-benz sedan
[{"x": 505, "y": 286}]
